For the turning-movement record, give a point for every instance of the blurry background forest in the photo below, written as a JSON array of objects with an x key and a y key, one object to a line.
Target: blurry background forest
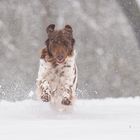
[{"x": 107, "y": 34}]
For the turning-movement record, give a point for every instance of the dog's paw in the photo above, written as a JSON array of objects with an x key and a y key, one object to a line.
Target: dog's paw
[
  {"x": 46, "y": 97},
  {"x": 66, "y": 101}
]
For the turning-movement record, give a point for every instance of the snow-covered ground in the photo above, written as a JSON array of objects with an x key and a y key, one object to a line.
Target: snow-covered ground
[{"x": 108, "y": 119}]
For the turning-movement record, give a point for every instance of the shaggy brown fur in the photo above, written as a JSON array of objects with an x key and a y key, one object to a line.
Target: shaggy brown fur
[
  {"x": 59, "y": 44},
  {"x": 57, "y": 77}
]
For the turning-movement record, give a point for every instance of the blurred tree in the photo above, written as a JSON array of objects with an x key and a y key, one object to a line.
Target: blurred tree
[{"x": 132, "y": 12}]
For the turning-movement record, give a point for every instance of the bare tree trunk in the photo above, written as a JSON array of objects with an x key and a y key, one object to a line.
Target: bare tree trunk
[{"x": 132, "y": 11}]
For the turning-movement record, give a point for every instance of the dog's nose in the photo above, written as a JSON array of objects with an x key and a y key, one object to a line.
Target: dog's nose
[{"x": 60, "y": 57}]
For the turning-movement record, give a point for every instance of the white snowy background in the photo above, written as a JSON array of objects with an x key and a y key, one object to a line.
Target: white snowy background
[{"x": 107, "y": 34}]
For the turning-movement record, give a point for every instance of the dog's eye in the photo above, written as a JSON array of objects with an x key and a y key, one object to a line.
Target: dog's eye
[
  {"x": 51, "y": 40},
  {"x": 66, "y": 45}
]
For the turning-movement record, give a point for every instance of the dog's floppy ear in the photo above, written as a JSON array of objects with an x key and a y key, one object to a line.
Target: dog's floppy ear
[
  {"x": 44, "y": 53},
  {"x": 47, "y": 47},
  {"x": 50, "y": 28},
  {"x": 73, "y": 41},
  {"x": 68, "y": 29}
]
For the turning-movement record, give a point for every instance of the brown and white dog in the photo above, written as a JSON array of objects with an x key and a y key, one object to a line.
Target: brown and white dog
[{"x": 57, "y": 76}]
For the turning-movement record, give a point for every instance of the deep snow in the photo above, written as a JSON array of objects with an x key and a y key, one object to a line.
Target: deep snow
[{"x": 90, "y": 119}]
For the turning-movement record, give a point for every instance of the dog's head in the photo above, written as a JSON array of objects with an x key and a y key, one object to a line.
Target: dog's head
[{"x": 59, "y": 44}]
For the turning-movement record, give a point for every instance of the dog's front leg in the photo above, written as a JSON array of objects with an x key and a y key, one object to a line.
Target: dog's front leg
[
  {"x": 43, "y": 90},
  {"x": 68, "y": 95}
]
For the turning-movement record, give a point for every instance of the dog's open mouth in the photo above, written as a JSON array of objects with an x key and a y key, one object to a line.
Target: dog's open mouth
[{"x": 60, "y": 61}]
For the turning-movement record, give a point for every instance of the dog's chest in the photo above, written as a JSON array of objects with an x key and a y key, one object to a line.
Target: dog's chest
[{"x": 60, "y": 75}]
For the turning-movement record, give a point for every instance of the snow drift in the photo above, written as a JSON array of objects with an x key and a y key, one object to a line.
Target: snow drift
[{"x": 90, "y": 119}]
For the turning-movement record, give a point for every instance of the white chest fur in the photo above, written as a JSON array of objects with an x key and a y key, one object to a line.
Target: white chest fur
[{"x": 61, "y": 79}]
